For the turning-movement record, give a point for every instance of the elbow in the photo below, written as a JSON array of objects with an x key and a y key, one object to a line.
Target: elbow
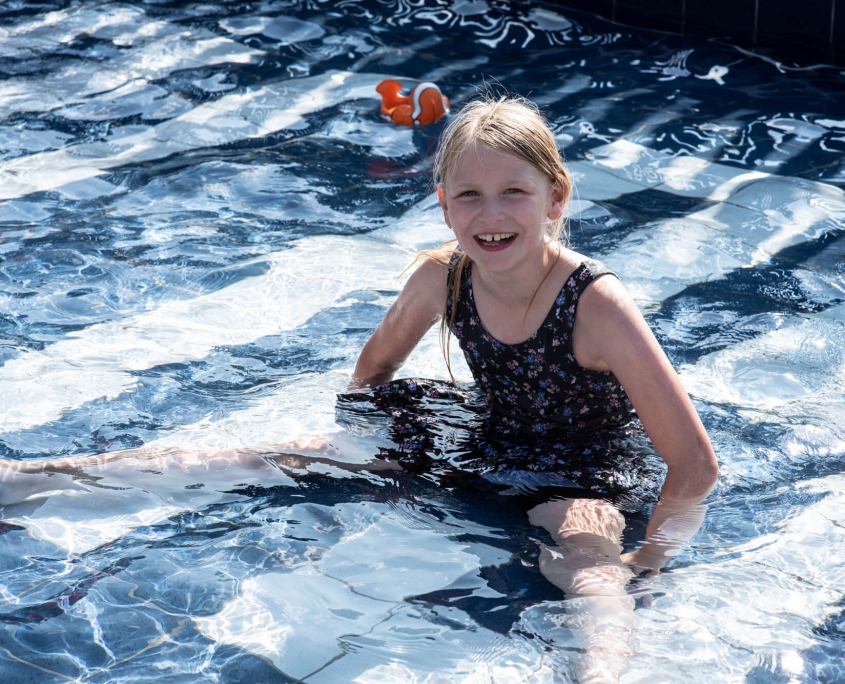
[
  {"x": 704, "y": 468},
  {"x": 703, "y": 472},
  {"x": 693, "y": 478},
  {"x": 708, "y": 465},
  {"x": 369, "y": 373},
  {"x": 709, "y": 473}
]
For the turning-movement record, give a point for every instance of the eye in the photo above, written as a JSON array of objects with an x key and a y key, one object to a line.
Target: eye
[
  {"x": 513, "y": 191},
  {"x": 468, "y": 193}
]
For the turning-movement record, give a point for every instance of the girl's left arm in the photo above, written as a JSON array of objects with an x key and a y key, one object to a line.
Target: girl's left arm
[{"x": 611, "y": 334}]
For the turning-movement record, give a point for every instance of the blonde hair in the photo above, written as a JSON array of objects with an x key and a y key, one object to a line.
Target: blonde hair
[{"x": 509, "y": 125}]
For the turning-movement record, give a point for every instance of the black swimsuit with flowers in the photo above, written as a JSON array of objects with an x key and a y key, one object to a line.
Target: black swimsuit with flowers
[
  {"x": 537, "y": 387},
  {"x": 534, "y": 418}
]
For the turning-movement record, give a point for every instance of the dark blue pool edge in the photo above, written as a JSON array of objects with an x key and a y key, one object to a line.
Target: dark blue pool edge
[{"x": 796, "y": 33}]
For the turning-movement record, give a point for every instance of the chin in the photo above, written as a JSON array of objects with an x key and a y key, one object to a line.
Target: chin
[{"x": 495, "y": 263}]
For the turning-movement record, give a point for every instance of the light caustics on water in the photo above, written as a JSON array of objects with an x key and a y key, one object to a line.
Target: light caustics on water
[{"x": 203, "y": 217}]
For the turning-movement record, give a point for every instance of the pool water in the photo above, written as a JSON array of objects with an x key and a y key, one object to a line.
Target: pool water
[{"x": 204, "y": 217}]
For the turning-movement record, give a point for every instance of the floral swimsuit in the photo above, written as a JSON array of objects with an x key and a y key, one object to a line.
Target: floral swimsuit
[
  {"x": 537, "y": 387},
  {"x": 534, "y": 417}
]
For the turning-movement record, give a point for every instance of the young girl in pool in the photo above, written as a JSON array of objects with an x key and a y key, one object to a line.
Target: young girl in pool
[
  {"x": 552, "y": 338},
  {"x": 564, "y": 360}
]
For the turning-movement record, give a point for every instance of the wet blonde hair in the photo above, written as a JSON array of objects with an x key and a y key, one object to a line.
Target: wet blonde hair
[{"x": 509, "y": 125}]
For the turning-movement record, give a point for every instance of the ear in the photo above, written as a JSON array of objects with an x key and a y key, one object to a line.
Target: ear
[
  {"x": 441, "y": 197},
  {"x": 556, "y": 203}
]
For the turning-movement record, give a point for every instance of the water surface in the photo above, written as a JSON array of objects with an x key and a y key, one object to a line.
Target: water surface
[{"x": 204, "y": 217}]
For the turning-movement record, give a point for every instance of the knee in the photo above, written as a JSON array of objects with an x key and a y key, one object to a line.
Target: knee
[
  {"x": 593, "y": 516},
  {"x": 550, "y": 515},
  {"x": 569, "y": 517}
]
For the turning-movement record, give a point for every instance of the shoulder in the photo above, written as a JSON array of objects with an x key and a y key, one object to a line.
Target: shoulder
[
  {"x": 607, "y": 319},
  {"x": 590, "y": 276},
  {"x": 605, "y": 300},
  {"x": 431, "y": 266},
  {"x": 585, "y": 274},
  {"x": 427, "y": 284},
  {"x": 445, "y": 256},
  {"x": 585, "y": 268}
]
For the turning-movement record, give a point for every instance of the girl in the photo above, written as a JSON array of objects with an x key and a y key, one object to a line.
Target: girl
[
  {"x": 564, "y": 360},
  {"x": 557, "y": 349}
]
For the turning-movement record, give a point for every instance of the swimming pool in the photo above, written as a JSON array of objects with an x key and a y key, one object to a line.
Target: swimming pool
[{"x": 203, "y": 218}]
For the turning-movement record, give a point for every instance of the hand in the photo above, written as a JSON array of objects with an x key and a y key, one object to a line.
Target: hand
[{"x": 643, "y": 561}]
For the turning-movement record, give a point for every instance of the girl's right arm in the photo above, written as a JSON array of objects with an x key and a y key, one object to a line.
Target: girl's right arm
[{"x": 419, "y": 306}]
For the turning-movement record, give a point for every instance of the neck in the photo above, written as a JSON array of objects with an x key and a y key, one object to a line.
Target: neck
[{"x": 519, "y": 285}]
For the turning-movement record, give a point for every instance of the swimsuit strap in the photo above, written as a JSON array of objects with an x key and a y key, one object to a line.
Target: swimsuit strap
[
  {"x": 597, "y": 268},
  {"x": 584, "y": 274}
]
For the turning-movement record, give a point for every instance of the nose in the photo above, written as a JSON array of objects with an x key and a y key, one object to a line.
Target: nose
[{"x": 491, "y": 211}]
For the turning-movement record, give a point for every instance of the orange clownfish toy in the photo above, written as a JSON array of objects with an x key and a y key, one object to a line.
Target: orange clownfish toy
[{"x": 425, "y": 105}]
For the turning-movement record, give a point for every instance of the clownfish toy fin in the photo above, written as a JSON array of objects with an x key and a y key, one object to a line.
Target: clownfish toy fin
[
  {"x": 390, "y": 97},
  {"x": 425, "y": 105}
]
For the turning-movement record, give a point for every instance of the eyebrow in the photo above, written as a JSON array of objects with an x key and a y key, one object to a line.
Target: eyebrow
[{"x": 510, "y": 182}]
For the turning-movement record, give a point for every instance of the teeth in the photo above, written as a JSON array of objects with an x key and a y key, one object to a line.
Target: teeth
[{"x": 497, "y": 237}]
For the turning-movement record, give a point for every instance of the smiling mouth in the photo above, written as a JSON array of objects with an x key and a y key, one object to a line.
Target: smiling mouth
[{"x": 495, "y": 239}]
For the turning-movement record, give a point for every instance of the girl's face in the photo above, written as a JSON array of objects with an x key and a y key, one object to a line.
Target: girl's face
[{"x": 498, "y": 206}]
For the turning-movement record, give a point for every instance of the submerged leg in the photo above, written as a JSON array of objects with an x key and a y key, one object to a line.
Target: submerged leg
[
  {"x": 585, "y": 564},
  {"x": 22, "y": 479}
]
